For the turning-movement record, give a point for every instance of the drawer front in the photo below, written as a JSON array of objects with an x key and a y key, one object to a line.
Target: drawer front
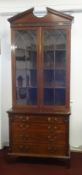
[
  {"x": 38, "y": 138},
  {"x": 39, "y": 149},
  {"x": 51, "y": 124}
]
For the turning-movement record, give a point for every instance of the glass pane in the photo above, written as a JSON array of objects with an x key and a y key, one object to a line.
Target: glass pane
[
  {"x": 33, "y": 94},
  {"x": 49, "y": 78},
  {"x": 26, "y": 67},
  {"x": 54, "y": 67},
  {"x": 60, "y": 96},
  {"x": 49, "y": 96},
  {"x": 60, "y": 78},
  {"x": 60, "y": 59},
  {"x": 33, "y": 80},
  {"x": 26, "y": 95},
  {"x": 49, "y": 59}
]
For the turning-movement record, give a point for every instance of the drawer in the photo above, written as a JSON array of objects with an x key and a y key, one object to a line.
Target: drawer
[
  {"x": 36, "y": 149},
  {"x": 31, "y": 127},
  {"x": 18, "y": 125},
  {"x": 41, "y": 138},
  {"x": 40, "y": 118},
  {"x": 33, "y": 118}
]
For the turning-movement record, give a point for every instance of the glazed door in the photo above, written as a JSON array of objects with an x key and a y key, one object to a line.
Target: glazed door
[
  {"x": 54, "y": 68},
  {"x": 26, "y": 67}
]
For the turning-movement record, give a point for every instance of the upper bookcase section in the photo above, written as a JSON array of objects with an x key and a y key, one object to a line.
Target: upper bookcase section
[{"x": 27, "y": 18}]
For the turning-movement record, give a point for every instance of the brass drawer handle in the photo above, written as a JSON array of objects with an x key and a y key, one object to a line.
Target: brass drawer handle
[
  {"x": 49, "y": 127},
  {"x": 49, "y": 118},
  {"x": 27, "y": 118},
  {"x": 49, "y": 136},
  {"x": 21, "y": 125},
  {"x": 55, "y": 127},
  {"x": 51, "y": 140},
  {"x": 55, "y": 119},
  {"x": 23, "y": 147},
  {"x": 21, "y": 117},
  {"x": 52, "y": 150}
]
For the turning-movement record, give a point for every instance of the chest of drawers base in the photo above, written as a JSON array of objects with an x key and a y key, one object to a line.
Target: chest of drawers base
[{"x": 39, "y": 135}]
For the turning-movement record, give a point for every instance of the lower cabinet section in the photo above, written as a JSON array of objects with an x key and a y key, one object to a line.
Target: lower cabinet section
[{"x": 40, "y": 135}]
